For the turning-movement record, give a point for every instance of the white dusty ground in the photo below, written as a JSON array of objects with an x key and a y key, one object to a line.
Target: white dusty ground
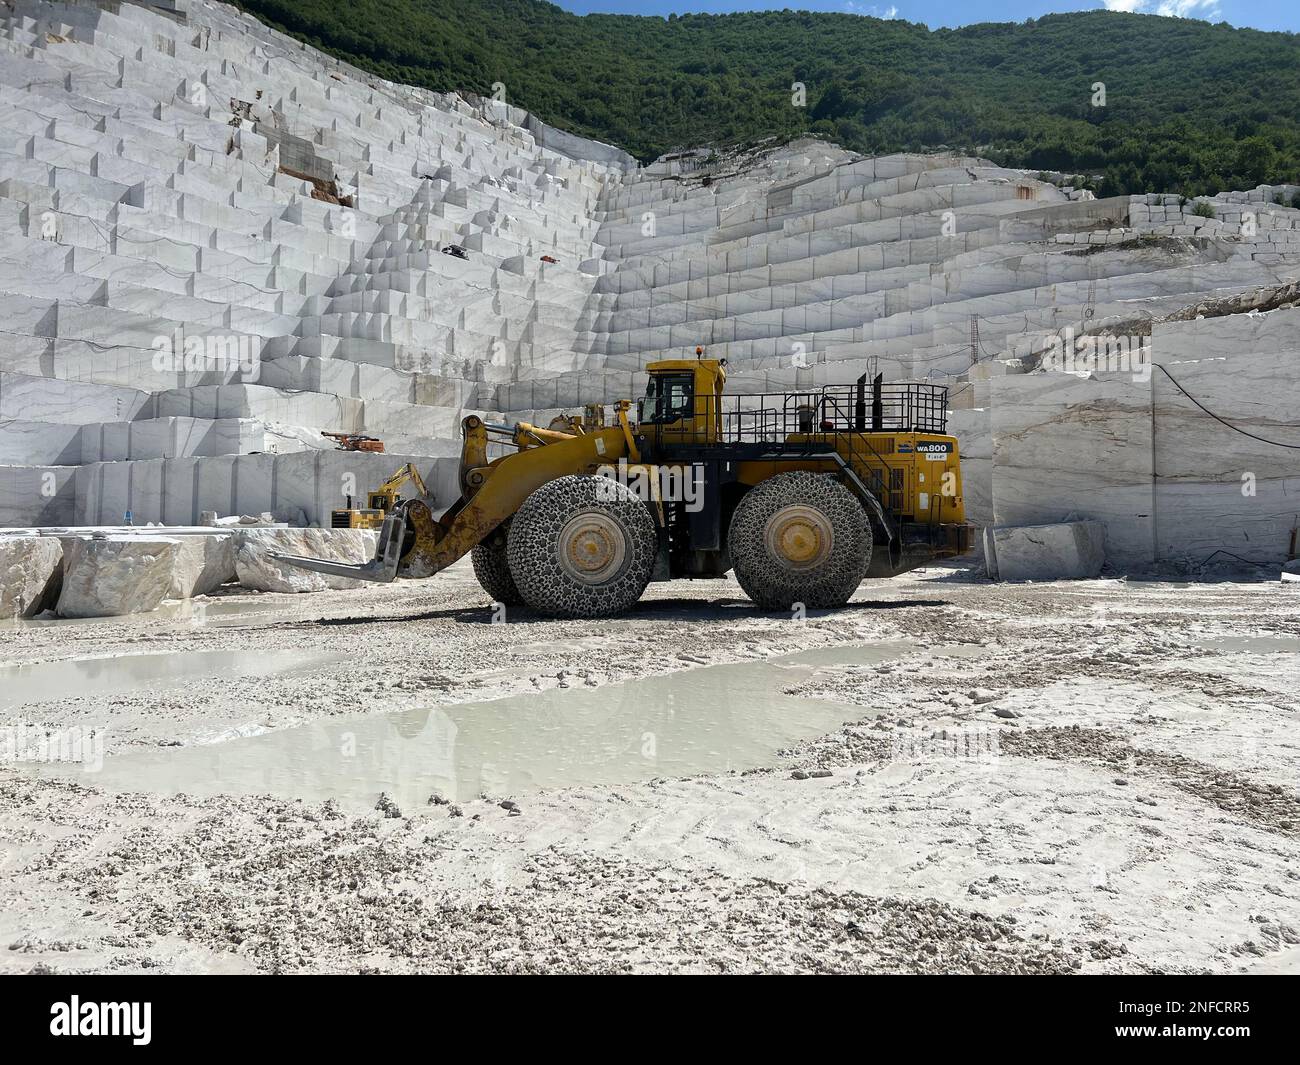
[{"x": 1139, "y": 812}]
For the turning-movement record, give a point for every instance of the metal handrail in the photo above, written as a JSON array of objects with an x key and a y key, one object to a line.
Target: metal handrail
[
  {"x": 904, "y": 408},
  {"x": 835, "y": 411}
]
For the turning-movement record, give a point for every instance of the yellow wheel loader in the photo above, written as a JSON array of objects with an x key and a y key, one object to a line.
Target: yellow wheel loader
[{"x": 802, "y": 494}]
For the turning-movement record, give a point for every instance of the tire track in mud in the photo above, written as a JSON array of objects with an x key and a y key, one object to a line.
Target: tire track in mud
[
  {"x": 341, "y": 894},
  {"x": 1267, "y": 806},
  {"x": 292, "y": 887}
]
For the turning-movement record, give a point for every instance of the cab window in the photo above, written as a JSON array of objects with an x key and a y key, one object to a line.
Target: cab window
[{"x": 668, "y": 397}]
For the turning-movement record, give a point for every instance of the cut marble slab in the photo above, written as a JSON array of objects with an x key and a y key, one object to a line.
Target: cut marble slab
[
  {"x": 45, "y": 399},
  {"x": 1228, "y": 337},
  {"x": 299, "y": 488},
  {"x": 37, "y": 495},
  {"x": 1228, "y": 492},
  {"x": 971, "y": 427},
  {"x": 35, "y": 443}
]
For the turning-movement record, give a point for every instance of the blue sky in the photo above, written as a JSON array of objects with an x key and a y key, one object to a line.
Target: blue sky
[{"x": 1260, "y": 14}]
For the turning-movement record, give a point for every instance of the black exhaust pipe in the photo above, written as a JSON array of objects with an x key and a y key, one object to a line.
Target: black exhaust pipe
[
  {"x": 860, "y": 406},
  {"x": 877, "y": 403}
]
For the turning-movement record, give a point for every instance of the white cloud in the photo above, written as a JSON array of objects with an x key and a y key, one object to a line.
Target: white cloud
[
  {"x": 1203, "y": 9},
  {"x": 855, "y": 8},
  {"x": 1208, "y": 9}
]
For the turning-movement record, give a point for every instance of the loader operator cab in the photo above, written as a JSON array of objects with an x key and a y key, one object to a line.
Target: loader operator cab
[
  {"x": 683, "y": 401},
  {"x": 668, "y": 397}
]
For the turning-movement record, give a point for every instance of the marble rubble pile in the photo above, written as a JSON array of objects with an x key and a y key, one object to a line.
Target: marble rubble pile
[{"x": 216, "y": 243}]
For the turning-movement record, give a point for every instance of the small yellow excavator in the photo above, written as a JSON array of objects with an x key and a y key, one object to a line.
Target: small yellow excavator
[
  {"x": 801, "y": 494},
  {"x": 379, "y": 503}
]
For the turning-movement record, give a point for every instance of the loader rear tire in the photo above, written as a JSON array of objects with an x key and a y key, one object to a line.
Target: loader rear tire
[
  {"x": 800, "y": 538},
  {"x": 582, "y": 547},
  {"x": 492, "y": 568}
]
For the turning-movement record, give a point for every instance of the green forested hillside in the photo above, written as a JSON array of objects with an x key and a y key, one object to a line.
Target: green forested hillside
[{"x": 1190, "y": 106}]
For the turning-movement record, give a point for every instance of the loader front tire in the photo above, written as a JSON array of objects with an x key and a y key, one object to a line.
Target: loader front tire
[
  {"x": 800, "y": 538},
  {"x": 582, "y": 547},
  {"x": 492, "y": 568}
]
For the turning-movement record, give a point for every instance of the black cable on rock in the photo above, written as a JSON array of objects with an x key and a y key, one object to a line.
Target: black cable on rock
[{"x": 1235, "y": 429}]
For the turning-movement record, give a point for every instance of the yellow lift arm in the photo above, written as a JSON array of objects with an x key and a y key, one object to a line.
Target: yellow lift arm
[{"x": 412, "y": 540}]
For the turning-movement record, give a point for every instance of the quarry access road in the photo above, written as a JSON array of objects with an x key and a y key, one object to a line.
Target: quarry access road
[{"x": 950, "y": 775}]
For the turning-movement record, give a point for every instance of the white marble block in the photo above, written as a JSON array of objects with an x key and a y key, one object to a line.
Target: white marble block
[
  {"x": 1073, "y": 550},
  {"x": 258, "y": 571},
  {"x": 1228, "y": 492},
  {"x": 974, "y": 446},
  {"x": 40, "y": 443},
  {"x": 203, "y": 564},
  {"x": 32, "y": 496},
  {"x": 30, "y": 571},
  {"x": 111, "y": 575}
]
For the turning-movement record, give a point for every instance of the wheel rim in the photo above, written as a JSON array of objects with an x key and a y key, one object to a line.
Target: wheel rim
[
  {"x": 799, "y": 537},
  {"x": 592, "y": 547}
]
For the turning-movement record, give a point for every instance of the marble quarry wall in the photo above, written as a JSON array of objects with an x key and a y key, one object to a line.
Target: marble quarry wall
[
  {"x": 216, "y": 243},
  {"x": 1141, "y": 451}
]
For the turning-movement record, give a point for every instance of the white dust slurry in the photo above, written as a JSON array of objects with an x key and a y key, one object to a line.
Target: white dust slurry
[{"x": 1097, "y": 776}]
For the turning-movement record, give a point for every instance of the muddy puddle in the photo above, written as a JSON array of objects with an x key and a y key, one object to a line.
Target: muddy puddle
[
  {"x": 711, "y": 719},
  {"x": 217, "y": 612},
  {"x": 83, "y": 677},
  {"x": 1251, "y": 645}
]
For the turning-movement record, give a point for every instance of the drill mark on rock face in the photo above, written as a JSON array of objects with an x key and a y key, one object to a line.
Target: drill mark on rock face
[{"x": 1267, "y": 806}]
